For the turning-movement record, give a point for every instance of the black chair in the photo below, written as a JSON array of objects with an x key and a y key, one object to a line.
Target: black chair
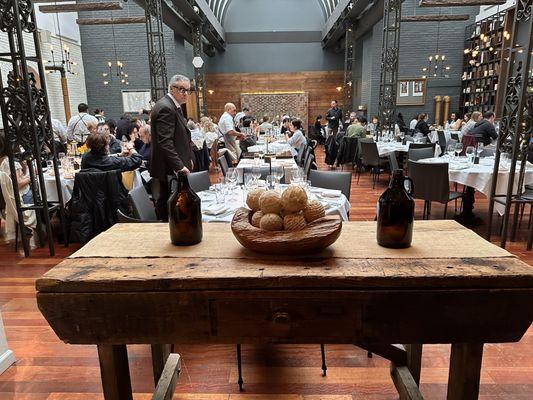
[
  {"x": 454, "y": 136},
  {"x": 332, "y": 180},
  {"x": 431, "y": 182},
  {"x": 422, "y": 146},
  {"x": 442, "y": 142},
  {"x": 199, "y": 181},
  {"x": 370, "y": 158},
  {"x": 308, "y": 164},
  {"x": 419, "y": 154},
  {"x": 348, "y": 151},
  {"x": 223, "y": 165},
  {"x": 143, "y": 208},
  {"x": 300, "y": 156},
  {"x": 408, "y": 139},
  {"x": 306, "y": 153}
]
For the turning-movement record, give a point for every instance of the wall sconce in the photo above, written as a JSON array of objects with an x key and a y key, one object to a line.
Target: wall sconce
[
  {"x": 210, "y": 91},
  {"x": 339, "y": 88}
]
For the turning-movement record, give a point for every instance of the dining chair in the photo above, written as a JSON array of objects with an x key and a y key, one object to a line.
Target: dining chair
[
  {"x": 143, "y": 208},
  {"x": 223, "y": 164},
  {"x": 370, "y": 158},
  {"x": 454, "y": 136},
  {"x": 332, "y": 180},
  {"x": 307, "y": 152},
  {"x": 308, "y": 164},
  {"x": 431, "y": 182},
  {"x": 422, "y": 146},
  {"x": 300, "y": 155},
  {"x": 419, "y": 154},
  {"x": 199, "y": 181},
  {"x": 408, "y": 139},
  {"x": 442, "y": 141}
]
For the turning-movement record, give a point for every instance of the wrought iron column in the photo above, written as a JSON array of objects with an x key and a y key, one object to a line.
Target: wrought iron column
[
  {"x": 26, "y": 117},
  {"x": 347, "y": 104},
  {"x": 389, "y": 65},
  {"x": 199, "y": 72},
  {"x": 517, "y": 114},
  {"x": 156, "y": 49}
]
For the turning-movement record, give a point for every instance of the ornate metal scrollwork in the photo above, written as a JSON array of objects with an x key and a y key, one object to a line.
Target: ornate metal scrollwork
[
  {"x": 199, "y": 73},
  {"x": 7, "y": 15},
  {"x": 347, "y": 104}
]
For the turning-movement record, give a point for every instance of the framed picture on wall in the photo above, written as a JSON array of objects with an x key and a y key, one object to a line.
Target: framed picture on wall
[
  {"x": 135, "y": 100},
  {"x": 411, "y": 92},
  {"x": 404, "y": 89},
  {"x": 418, "y": 88}
]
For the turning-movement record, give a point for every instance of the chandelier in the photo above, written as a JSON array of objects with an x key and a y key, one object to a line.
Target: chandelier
[
  {"x": 436, "y": 66},
  {"x": 119, "y": 72},
  {"x": 60, "y": 62}
]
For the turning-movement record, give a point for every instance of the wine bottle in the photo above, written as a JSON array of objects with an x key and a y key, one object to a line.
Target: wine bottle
[
  {"x": 395, "y": 213},
  {"x": 184, "y": 214}
]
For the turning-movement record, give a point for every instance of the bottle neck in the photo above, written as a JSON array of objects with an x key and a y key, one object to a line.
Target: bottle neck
[
  {"x": 397, "y": 180},
  {"x": 183, "y": 181}
]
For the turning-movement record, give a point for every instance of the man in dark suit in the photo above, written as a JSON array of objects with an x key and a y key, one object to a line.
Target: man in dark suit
[
  {"x": 484, "y": 130},
  {"x": 334, "y": 117},
  {"x": 171, "y": 140}
]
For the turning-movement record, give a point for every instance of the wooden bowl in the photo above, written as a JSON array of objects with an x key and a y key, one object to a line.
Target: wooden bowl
[{"x": 315, "y": 237}]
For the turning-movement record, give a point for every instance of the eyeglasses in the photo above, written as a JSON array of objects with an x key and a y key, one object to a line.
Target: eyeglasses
[{"x": 182, "y": 90}]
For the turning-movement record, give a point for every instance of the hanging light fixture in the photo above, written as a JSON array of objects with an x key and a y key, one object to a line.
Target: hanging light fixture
[
  {"x": 64, "y": 61},
  {"x": 115, "y": 67},
  {"x": 437, "y": 66}
]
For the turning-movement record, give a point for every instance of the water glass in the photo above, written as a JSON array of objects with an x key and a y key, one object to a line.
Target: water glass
[
  {"x": 458, "y": 149},
  {"x": 479, "y": 149},
  {"x": 257, "y": 159},
  {"x": 470, "y": 154},
  {"x": 277, "y": 172},
  {"x": 451, "y": 151},
  {"x": 248, "y": 181},
  {"x": 220, "y": 193},
  {"x": 232, "y": 176},
  {"x": 271, "y": 182},
  {"x": 256, "y": 173},
  {"x": 504, "y": 160}
]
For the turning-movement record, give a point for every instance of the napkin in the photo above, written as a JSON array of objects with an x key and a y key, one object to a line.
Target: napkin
[
  {"x": 331, "y": 193},
  {"x": 215, "y": 209}
]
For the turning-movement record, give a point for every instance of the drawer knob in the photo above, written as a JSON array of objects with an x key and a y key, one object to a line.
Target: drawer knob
[{"x": 281, "y": 317}]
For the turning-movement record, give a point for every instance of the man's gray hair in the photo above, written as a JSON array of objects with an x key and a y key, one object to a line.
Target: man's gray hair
[{"x": 177, "y": 78}]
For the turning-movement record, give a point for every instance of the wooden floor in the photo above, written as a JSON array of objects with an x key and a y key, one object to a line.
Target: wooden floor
[{"x": 49, "y": 369}]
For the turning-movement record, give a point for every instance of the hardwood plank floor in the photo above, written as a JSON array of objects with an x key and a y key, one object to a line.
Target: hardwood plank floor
[{"x": 48, "y": 369}]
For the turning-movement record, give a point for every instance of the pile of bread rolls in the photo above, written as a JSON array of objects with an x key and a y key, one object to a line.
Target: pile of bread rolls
[{"x": 289, "y": 211}]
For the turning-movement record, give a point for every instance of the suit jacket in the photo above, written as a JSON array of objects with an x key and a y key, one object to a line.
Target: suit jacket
[
  {"x": 484, "y": 131},
  {"x": 334, "y": 117},
  {"x": 171, "y": 140}
]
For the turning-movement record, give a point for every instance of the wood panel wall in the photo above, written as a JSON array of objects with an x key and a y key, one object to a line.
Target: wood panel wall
[{"x": 320, "y": 85}]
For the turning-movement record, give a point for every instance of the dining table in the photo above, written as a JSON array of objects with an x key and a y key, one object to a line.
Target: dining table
[
  {"x": 479, "y": 177},
  {"x": 386, "y": 148},
  {"x": 277, "y": 147},
  {"x": 450, "y": 287},
  {"x": 288, "y": 164},
  {"x": 334, "y": 202}
]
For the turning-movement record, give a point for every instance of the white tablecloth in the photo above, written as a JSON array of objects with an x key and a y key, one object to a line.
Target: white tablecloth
[
  {"x": 274, "y": 147},
  {"x": 479, "y": 176},
  {"x": 67, "y": 186},
  {"x": 334, "y": 205},
  {"x": 288, "y": 165},
  {"x": 386, "y": 148}
]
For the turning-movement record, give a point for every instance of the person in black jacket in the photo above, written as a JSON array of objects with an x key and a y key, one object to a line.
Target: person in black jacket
[
  {"x": 484, "y": 130},
  {"x": 334, "y": 117},
  {"x": 171, "y": 139},
  {"x": 98, "y": 157},
  {"x": 401, "y": 123},
  {"x": 422, "y": 125},
  {"x": 114, "y": 145}
]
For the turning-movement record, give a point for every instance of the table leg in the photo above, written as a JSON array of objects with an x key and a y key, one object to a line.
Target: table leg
[
  {"x": 115, "y": 372},
  {"x": 465, "y": 371},
  {"x": 160, "y": 353},
  {"x": 414, "y": 360},
  {"x": 467, "y": 216}
]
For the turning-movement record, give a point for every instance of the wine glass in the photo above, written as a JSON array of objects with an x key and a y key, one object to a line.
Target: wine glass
[
  {"x": 296, "y": 175},
  {"x": 271, "y": 182},
  {"x": 257, "y": 159},
  {"x": 278, "y": 172},
  {"x": 470, "y": 154},
  {"x": 451, "y": 151},
  {"x": 458, "y": 149},
  {"x": 480, "y": 148},
  {"x": 232, "y": 176},
  {"x": 504, "y": 160},
  {"x": 256, "y": 174}
]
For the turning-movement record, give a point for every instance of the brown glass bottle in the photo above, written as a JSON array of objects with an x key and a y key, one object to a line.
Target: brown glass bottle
[
  {"x": 395, "y": 213},
  {"x": 184, "y": 214}
]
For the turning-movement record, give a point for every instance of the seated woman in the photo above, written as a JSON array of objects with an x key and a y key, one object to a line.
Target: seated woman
[
  {"x": 454, "y": 123},
  {"x": 285, "y": 126},
  {"x": 132, "y": 136},
  {"x": 422, "y": 125},
  {"x": 297, "y": 138},
  {"x": 23, "y": 178},
  {"x": 98, "y": 157}
]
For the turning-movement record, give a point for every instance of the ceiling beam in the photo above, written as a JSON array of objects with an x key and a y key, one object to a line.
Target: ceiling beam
[
  {"x": 459, "y": 3},
  {"x": 346, "y": 10},
  {"x": 111, "y": 21},
  {"x": 75, "y": 7},
  {"x": 435, "y": 18}
]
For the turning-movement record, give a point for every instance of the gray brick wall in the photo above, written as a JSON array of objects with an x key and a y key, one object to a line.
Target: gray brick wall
[
  {"x": 131, "y": 44},
  {"x": 417, "y": 41}
]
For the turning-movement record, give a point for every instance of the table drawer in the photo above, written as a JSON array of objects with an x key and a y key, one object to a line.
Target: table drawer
[{"x": 307, "y": 320}]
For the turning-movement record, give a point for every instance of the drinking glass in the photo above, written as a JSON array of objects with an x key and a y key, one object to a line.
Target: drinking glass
[
  {"x": 232, "y": 177},
  {"x": 271, "y": 182},
  {"x": 220, "y": 193},
  {"x": 470, "y": 154},
  {"x": 296, "y": 175},
  {"x": 479, "y": 149},
  {"x": 504, "y": 160},
  {"x": 458, "y": 149},
  {"x": 451, "y": 151},
  {"x": 257, "y": 159},
  {"x": 256, "y": 173},
  {"x": 278, "y": 172},
  {"x": 248, "y": 181}
]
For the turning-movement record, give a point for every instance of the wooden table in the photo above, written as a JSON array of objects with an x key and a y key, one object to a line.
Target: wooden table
[{"x": 439, "y": 291}]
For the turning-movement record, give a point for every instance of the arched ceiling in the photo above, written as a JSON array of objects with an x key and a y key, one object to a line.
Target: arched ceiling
[{"x": 219, "y": 7}]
